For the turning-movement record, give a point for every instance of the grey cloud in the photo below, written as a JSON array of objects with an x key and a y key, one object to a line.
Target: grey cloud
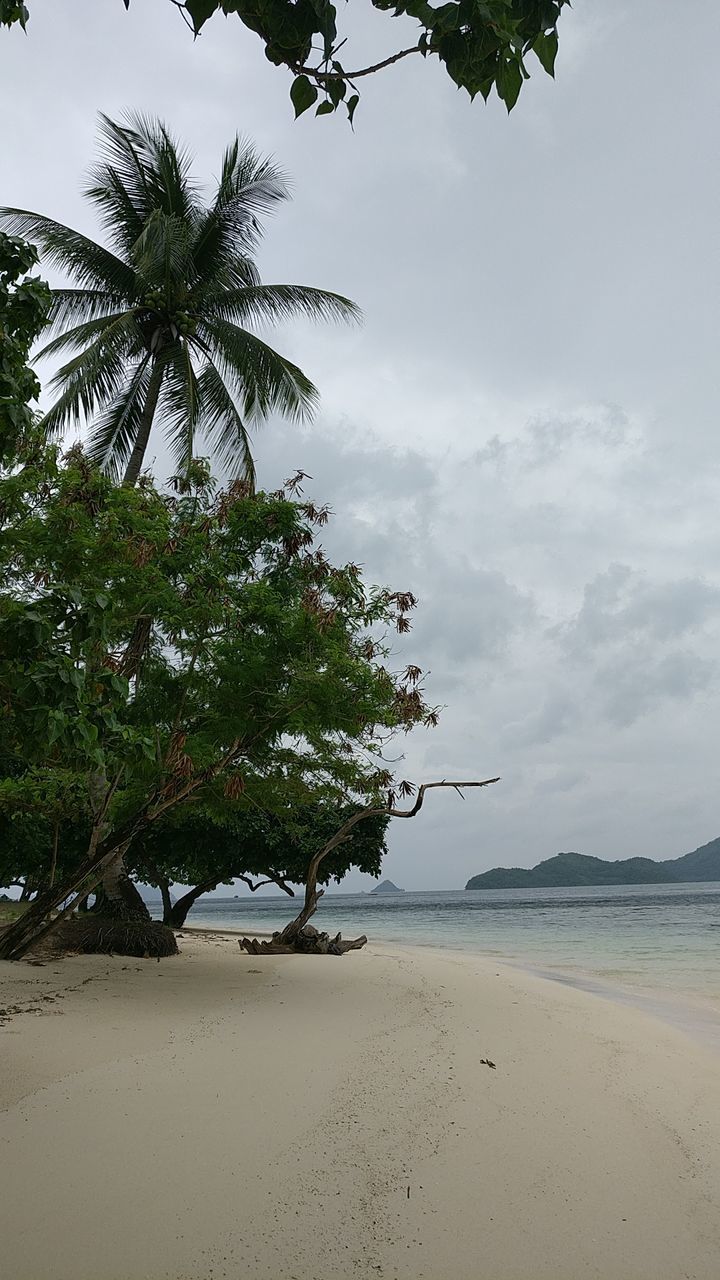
[
  {"x": 633, "y": 685},
  {"x": 469, "y": 614},
  {"x": 621, "y": 605},
  {"x": 559, "y": 710},
  {"x": 547, "y": 438}
]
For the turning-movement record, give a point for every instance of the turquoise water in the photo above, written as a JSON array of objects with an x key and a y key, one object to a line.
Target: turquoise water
[{"x": 657, "y": 945}]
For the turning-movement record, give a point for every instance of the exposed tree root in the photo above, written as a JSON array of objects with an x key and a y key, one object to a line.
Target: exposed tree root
[
  {"x": 98, "y": 935},
  {"x": 307, "y": 942}
]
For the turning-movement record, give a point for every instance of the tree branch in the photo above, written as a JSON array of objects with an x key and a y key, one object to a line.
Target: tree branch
[
  {"x": 317, "y": 74},
  {"x": 388, "y": 810},
  {"x": 274, "y": 879}
]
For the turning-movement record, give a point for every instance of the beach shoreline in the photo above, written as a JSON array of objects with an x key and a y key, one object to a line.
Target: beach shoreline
[
  {"x": 402, "y": 1112},
  {"x": 686, "y": 1010}
]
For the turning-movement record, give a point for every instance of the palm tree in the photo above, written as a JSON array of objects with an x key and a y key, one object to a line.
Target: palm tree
[{"x": 160, "y": 321}]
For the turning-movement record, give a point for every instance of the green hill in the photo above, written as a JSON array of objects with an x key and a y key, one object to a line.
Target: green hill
[
  {"x": 567, "y": 870},
  {"x": 702, "y": 864}
]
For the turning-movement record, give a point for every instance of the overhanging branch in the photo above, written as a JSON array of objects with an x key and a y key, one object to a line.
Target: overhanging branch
[{"x": 317, "y": 73}]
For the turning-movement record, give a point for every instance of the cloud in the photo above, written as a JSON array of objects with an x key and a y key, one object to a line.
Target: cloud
[{"x": 620, "y": 607}]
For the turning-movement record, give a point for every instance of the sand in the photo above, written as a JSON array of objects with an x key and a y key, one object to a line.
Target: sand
[{"x": 314, "y": 1118}]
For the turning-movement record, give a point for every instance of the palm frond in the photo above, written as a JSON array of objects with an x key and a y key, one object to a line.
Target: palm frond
[
  {"x": 280, "y": 302},
  {"x": 222, "y": 424},
  {"x": 81, "y": 334},
  {"x": 93, "y": 377},
  {"x": 119, "y": 215},
  {"x": 265, "y": 382},
  {"x": 249, "y": 186},
  {"x": 113, "y": 435},
  {"x": 89, "y": 263},
  {"x": 162, "y": 253},
  {"x": 172, "y": 187},
  {"x": 143, "y": 170},
  {"x": 73, "y": 306},
  {"x": 249, "y": 180}
]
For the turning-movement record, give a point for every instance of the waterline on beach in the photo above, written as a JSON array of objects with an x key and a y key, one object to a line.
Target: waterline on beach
[{"x": 653, "y": 946}]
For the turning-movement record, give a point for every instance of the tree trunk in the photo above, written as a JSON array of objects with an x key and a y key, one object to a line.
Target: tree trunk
[
  {"x": 35, "y": 924},
  {"x": 53, "y": 860},
  {"x": 298, "y": 935},
  {"x": 120, "y": 899},
  {"x": 179, "y": 911},
  {"x": 137, "y": 457},
  {"x": 164, "y": 886},
  {"x": 310, "y": 906}
]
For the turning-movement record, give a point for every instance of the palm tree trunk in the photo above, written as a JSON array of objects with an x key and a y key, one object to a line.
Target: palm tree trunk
[{"x": 137, "y": 456}]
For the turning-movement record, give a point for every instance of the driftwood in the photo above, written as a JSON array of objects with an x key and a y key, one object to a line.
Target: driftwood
[{"x": 308, "y": 941}]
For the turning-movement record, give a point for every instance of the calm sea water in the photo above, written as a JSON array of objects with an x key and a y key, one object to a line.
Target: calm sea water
[{"x": 648, "y": 941}]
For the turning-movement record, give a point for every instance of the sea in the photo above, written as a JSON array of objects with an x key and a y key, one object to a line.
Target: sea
[{"x": 654, "y": 946}]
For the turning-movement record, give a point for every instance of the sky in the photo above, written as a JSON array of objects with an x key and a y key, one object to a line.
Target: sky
[{"x": 524, "y": 432}]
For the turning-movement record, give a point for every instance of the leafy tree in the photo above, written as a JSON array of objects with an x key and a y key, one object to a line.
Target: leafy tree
[
  {"x": 483, "y": 44},
  {"x": 44, "y": 825},
  {"x": 24, "y": 303},
  {"x": 203, "y": 846},
  {"x": 160, "y": 321},
  {"x": 163, "y": 644}
]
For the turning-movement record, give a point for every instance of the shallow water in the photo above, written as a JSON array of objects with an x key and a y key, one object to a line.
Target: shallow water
[{"x": 661, "y": 940}]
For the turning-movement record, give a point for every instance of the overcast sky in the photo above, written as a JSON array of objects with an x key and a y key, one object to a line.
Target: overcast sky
[{"x": 525, "y": 431}]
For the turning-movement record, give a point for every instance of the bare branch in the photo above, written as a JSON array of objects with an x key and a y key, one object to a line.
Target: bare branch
[
  {"x": 274, "y": 879},
  {"x": 323, "y": 76}
]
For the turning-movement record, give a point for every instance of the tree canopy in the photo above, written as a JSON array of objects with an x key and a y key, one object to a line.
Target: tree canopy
[
  {"x": 24, "y": 303},
  {"x": 204, "y": 846},
  {"x": 482, "y": 44},
  {"x": 165, "y": 645}
]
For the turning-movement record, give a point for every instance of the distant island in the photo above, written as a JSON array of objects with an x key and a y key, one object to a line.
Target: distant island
[
  {"x": 387, "y": 886},
  {"x": 567, "y": 870}
]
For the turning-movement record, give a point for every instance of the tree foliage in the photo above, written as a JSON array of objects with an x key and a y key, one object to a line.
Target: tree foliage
[
  {"x": 167, "y": 644},
  {"x": 206, "y": 845},
  {"x": 483, "y": 44},
  {"x": 10, "y": 13},
  {"x": 160, "y": 321},
  {"x": 24, "y": 303}
]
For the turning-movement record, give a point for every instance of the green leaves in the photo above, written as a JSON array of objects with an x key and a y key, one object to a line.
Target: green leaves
[
  {"x": 546, "y": 47},
  {"x": 509, "y": 81},
  {"x": 200, "y": 11},
  {"x": 481, "y": 42},
  {"x": 10, "y": 13},
  {"x": 163, "y": 638},
  {"x": 24, "y": 304},
  {"x": 303, "y": 94}
]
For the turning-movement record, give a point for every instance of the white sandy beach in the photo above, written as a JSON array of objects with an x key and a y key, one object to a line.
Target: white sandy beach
[{"x": 217, "y": 1115}]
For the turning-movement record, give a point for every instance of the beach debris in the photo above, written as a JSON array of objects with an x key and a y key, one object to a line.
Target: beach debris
[
  {"x": 307, "y": 941},
  {"x": 485, "y": 1062}
]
